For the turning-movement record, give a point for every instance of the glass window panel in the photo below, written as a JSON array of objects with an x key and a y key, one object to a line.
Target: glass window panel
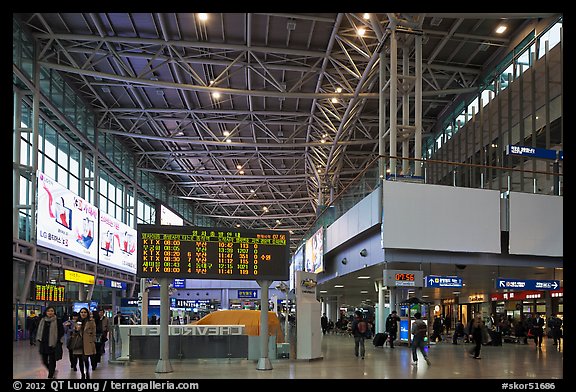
[
  {"x": 74, "y": 184},
  {"x": 62, "y": 177},
  {"x": 553, "y": 38},
  {"x": 472, "y": 108},
  {"x": 49, "y": 168},
  {"x": 487, "y": 96}
]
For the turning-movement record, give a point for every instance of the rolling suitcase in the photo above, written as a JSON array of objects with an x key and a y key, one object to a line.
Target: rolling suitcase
[{"x": 379, "y": 339}]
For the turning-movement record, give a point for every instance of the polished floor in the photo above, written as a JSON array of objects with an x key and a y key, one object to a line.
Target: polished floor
[{"x": 448, "y": 362}]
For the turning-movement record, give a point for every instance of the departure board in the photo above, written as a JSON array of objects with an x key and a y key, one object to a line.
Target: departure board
[
  {"x": 194, "y": 252},
  {"x": 47, "y": 292}
]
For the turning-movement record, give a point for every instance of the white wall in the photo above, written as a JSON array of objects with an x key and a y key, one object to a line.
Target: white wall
[
  {"x": 356, "y": 220},
  {"x": 536, "y": 224},
  {"x": 436, "y": 217}
]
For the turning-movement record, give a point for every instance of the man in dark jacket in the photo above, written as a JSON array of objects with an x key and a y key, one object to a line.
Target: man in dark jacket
[
  {"x": 392, "y": 327},
  {"x": 32, "y": 326}
]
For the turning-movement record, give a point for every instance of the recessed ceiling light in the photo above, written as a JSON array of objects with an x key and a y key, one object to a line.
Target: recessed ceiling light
[
  {"x": 500, "y": 29},
  {"x": 363, "y": 277},
  {"x": 338, "y": 286}
]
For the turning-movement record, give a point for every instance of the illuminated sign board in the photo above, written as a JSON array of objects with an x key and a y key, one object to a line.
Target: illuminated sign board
[
  {"x": 114, "y": 284},
  {"x": 443, "y": 281},
  {"x": 534, "y": 152},
  {"x": 247, "y": 293},
  {"x": 403, "y": 278},
  {"x": 192, "y": 252},
  {"x": 47, "y": 292},
  {"x": 79, "y": 277},
  {"x": 179, "y": 283},
  {"x": 65, "y": 222},
  {"x": 527, "y": 284}
]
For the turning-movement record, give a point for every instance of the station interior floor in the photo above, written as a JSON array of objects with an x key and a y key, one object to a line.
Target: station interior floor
[{"x": 510, "y": 361}]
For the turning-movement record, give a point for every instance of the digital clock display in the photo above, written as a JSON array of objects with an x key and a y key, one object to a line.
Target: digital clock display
[
  {"x": 405, "y": 277},
  {"x": 212, "y": 253}
]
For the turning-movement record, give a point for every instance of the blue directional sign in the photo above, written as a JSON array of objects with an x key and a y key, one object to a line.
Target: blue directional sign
[
  {"x": 533, "y": 152},
  {"x": 443, "y": 281},
  {"x": 527, "y": 284}
]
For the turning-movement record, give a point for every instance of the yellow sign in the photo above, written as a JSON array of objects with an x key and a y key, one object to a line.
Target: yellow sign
[{"x": 79, "y": 277}]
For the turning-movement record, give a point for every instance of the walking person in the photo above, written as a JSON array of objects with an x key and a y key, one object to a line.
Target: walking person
[
  {"x": 477, "y": 333},
  {"x": 69, "y": 326},
  {"x": 86, "y": 327},
  {"x": 102, "y": 328},
  {"x": 359, "y": 331},
  {"x": 555, "y": 324},
  {"x": 31, "y": 326},
  {"x": 49, "y": 335},
  {"x": 538, "y": 330},
  {"x": 419, "y": 330},
  {"x": 324, "y": 323},
  {"x": 392, "y": 327}
]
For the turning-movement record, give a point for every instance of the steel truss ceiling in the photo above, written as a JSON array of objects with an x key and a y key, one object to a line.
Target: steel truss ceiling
[{"x": 150, "y": 77}]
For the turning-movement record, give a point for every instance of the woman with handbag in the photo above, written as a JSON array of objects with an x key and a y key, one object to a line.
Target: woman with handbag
[
  {"x": 49, "y": 335},
  {"x": 85, "y": 332}
]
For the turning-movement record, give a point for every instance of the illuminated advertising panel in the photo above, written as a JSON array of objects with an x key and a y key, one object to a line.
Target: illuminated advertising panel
[
  {"x": 117, "y": 244},
  {"x": 65, "y": 222},
  {"x": 314, "y": 253}
]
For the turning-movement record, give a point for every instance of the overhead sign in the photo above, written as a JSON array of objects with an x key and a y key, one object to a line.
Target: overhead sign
[
  {"x": 47, "y": 292},
  {"x": 114, "y": 284},
  {"x": 80, "y": 277},
  {"x": 190, "y": 252},
  {"x": 247, "y": 293},
  {"x": 443, "y": 281},
  {"x": 534, "y": 152},
  {"x": 527, "y": 284},
  {"x": 179, "y": 283},
  {"x": 403, "y": 278}
]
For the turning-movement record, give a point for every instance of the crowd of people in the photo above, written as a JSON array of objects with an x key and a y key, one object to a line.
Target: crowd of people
[
  {"x": 478, "y": 331},
  {"x": 83, "y": 333}
]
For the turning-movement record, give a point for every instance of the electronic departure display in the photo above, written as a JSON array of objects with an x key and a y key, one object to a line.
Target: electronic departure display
[
  {"x": 47, "y": 292},
  {"x": 194, "y": 252}
]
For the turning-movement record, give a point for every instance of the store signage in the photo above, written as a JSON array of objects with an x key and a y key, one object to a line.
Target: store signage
[
  {"x": 114, "y": 284},
  {"x": 516, "y": 295},
  {"x": 527, "y": 284},
  {"x": 443, "y": 281},
  {"x": 74, "y": 276}
]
